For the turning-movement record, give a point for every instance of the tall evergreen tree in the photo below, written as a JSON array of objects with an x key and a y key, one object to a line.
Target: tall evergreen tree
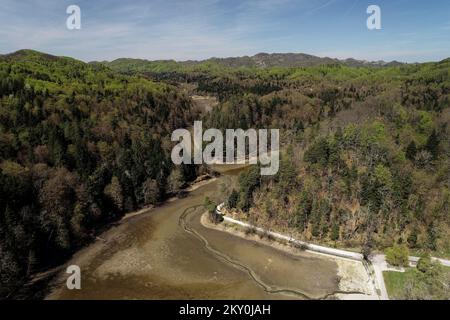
[{"x": 432, "y": 144}]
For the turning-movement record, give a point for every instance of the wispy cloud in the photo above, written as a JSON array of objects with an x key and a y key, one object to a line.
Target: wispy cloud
[
  {"x": 196, "y": 29},
  {"x": 321, "y": 6}
]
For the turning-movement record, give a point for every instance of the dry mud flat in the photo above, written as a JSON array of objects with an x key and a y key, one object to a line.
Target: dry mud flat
[
  {"x": 167, "y": 253},
  {"x": 354, "y": 280}
]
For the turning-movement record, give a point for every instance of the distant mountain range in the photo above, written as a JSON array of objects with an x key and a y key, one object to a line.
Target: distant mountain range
[
  {"x": 265, "y": 60},
  {"x": 260, "y": 60}
]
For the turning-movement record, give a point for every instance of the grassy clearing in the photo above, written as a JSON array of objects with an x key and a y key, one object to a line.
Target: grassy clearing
[{"x": 397, "y": 283}]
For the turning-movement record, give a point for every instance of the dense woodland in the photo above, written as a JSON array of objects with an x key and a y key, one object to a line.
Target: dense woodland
[
  {"x": 80, "y": 145},
  {"x": 365, "y": 161}
]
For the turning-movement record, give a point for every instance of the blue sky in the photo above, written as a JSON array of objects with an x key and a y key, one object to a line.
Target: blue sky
[{"x": 197, "y": 29}]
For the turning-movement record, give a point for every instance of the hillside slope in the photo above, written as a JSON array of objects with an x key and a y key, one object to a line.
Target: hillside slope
[
  {"x": 80, "y": 145},
  {"x": 259, "y": 61}
]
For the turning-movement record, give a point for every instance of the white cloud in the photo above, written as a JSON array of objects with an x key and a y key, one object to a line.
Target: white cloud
[{"x": 195, "y": 29}]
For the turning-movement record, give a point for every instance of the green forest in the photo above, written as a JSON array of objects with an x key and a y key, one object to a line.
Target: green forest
[
  {"x": 365, "y": 150},
  {"x": 80, "y": 145},
  {"x": 366, "y": 154}
]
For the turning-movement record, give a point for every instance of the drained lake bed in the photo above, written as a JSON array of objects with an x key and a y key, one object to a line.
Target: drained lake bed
[{"x": 167, "y": 253}]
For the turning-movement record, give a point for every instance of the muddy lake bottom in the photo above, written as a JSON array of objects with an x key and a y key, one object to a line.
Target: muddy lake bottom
[{"x": 166, "y": 253}]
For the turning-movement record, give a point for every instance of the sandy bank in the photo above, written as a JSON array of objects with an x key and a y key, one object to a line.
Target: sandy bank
[{"x": 194, "y": 186}]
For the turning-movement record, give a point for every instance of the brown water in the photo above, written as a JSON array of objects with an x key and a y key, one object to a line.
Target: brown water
[{"x": 168, "y": 254}]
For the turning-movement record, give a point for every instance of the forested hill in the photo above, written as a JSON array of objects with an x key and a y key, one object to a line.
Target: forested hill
[
  {"x": 365, "y": 164},
  {"x": 258, "y": 61},
  {"x": 79, "y": 146},
  {"x": 366, "y": 159},
  {"x": 367, "y": 153}
]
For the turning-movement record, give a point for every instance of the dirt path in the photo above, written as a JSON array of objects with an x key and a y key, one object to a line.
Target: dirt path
[{"x": 379, "y": 265}]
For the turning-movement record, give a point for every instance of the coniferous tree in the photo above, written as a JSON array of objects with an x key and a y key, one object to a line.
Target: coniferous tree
[
  {"x": 432, "y": 145},
  {"x": 411, "y": 151}
]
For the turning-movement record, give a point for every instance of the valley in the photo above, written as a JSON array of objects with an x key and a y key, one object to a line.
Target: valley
[
  {"x": 166, "y": 253},
  {"x": 364, "y": 165}
]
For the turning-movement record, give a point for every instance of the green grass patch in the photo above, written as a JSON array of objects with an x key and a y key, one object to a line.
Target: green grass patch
[{"x": 396, "y": 283}]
